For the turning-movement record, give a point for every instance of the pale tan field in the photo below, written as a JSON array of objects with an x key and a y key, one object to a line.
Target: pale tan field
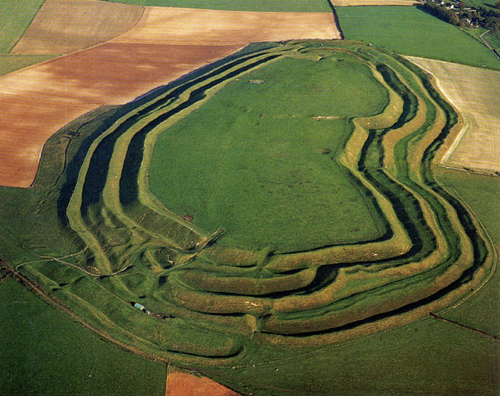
[
  {"x": 474, "y": 92},
  {"x": 212, "y": 27},
  {"x": 38, "y": 101},
  {"x": 166, "y": 44},
  {"x": 64, "y": 26},
  {"x": 346, "y": 3},
  {"x": 182, "y": 383}
]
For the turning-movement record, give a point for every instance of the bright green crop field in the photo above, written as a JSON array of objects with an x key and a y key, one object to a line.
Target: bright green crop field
[
  {"x": 240, "y": 160},
  {"x": 410, "y": 31},
  {"x": 240, "y": 5},
  {"x": 15, "y": 18}
]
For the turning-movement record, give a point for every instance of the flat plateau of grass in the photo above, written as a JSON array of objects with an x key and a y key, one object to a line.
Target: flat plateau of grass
[
  {"x": 239, "y": 5},
  {"x": 15, "y": 18},
  {"x": 45, "y": 353},
  {"x": 252, "y": 160},
  {"x": 410, "y": 31}
]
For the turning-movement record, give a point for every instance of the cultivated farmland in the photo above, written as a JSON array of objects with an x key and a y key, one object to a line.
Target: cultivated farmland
[
  {"x": 474, "y": 92},
  {"x": 181, "y": 382},
  {"x": 62, "y": 27},
  {"x": 15, "y": 18},
  {"x": 58, "y": 91},
  {"x": 240, "y": 5},
  {"x": 349, "y": 3}
]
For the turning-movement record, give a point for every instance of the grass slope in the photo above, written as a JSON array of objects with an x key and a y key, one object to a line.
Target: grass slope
[
  {"x": 263, "y": 152},
  {"x": 44, "y": 352},
  {"x": 481, "y": 193},
  {"x": 427, "y": 358},
  {"x": 410, "y": 31},
  {"x": 239, "y": 5},
  {"x": 15, "y": 18}
]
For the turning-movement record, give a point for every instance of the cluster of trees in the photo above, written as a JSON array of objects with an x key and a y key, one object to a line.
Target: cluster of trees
[{"x": 464, "y": 16}]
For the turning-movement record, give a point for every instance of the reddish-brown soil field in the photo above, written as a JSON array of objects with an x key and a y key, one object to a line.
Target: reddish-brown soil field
[
  {"x": 181, "y": 383},
  {"x": 39, "y": 101},
  {"x": 166, "y": 44}
]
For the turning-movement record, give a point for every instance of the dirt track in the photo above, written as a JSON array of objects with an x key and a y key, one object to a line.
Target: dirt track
[{"x": 166, "y": 44}]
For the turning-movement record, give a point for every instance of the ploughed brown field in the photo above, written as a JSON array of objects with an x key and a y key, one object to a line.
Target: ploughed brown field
[
  {"x": 181, "y": 383},
  {"x": 166, "y": 44}
]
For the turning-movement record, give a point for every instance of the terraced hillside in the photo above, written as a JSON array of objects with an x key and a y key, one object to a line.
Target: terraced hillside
[{"x": 211, "y": 302}]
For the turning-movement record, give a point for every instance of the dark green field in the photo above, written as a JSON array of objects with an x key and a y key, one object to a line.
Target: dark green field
[
  {"x": 239, "y": 5},
  {"x": 43, "y": 352},
  {"x": 410, "y": 31}
]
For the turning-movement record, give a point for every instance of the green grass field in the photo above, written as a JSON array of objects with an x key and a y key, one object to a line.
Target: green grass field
[
  {"x": 239, "y": 5},
  {"x": 112, "y": 242},
  {"x": 427, "y": 358},
  {"x": 240, "y": 160},
  {"x": 43, "y": 352},
  {"x": 410, "y": 31},
  {"x": 480, "y": 193},
  {"x": 15, "y": 18},
  {"x": 493, "y": 40},
  {"x": 10, "y": 63}
]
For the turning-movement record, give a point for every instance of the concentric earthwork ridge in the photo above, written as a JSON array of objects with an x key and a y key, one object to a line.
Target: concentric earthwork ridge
[{"x": 209, "y": 302}]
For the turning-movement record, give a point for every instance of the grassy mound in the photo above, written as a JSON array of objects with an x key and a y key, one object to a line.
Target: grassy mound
[{"x": 217, "y": 303}]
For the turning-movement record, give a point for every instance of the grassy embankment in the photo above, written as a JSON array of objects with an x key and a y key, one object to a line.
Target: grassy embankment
[
  {"x": 410, "y": 31},
  {"x": 241, "y": 308},
  {"x": 240, "y": 5},
  {"x": 15, "y": 18}
]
